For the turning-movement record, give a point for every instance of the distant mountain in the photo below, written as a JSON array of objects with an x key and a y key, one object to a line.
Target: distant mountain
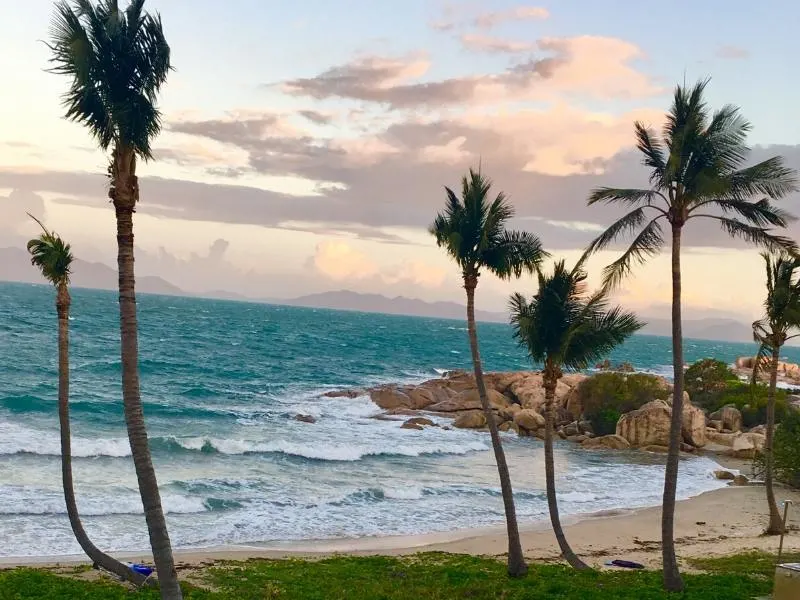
[
  {"x": 15, "y": 265},
  {"x": 375, "y": 303},
  {"x": 719, "y": 329}
]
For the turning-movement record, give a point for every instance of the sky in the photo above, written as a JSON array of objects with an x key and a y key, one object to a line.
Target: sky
[{"x": 306, "y": 145}]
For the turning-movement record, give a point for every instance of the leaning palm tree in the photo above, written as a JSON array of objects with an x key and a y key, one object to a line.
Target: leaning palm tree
[
  {"x": 563, "y": 327},
  {"x": 696, "y": 172},
  {"x": 472, "y": 230},
  {"x": 118, "y": 60},
  {"x": 780, "y": 323},
  {"x": 53, "y": 257}
]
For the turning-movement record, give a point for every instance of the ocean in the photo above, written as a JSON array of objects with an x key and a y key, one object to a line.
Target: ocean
[{"x": 222, "y": 382}]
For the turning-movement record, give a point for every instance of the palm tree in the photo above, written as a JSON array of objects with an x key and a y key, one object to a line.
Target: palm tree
[
  {"x": 771, "y": 332},
  {"x": 472, "y": 230},
  {"x": 564, "y": 327},
  {"x": 53, "y": 257},
  {"x": 696, "y": 172},
  {"x": 118, "y": 61}
]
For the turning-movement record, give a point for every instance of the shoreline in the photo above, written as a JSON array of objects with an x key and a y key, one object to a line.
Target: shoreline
[{"x": 715, "y": 523}]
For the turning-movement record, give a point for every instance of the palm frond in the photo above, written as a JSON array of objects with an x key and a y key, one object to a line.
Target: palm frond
[
  {"x": 770, "y": 178},
  {"x": 117, "y": 61},
  {"x": 628, "y": 196},
  {"x": 622, "y": 226},
  {"x": 51, "y": 255},
  {"x": 760, "y": 214},
  {"x": 513, "y": 253},
  {"x": 653, "y": 150},
  {"x": 566, "y": 326},
  {"x": 751, "y": 234},
  {"x": 647, "y": 243}
]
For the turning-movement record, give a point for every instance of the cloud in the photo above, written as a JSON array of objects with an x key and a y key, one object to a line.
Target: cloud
[
  {"x": 340, "y": 262},
  {"x": 732, "y": 52},
  {"x": 486, "y": 43},
  {"x": 316, "y": 116},
  {"x": 488, "y": 20},
  {"x": 589, "y": 66},
  {"x": 521, "y": 13}
]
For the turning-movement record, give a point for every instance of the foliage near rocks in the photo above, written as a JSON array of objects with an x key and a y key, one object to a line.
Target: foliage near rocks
[
  {"x": 425, "y": 576},
  {"x": 605, "y": 397},
  {"x": 786, "y": 450},
  {"x": 712, "y": 384}
]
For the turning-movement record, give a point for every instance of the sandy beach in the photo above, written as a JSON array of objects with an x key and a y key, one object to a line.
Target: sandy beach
[{"x": 718, "y": 523}]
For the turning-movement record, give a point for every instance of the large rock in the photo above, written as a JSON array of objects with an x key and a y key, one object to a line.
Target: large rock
[
  {"x": 747, "y": 445},
  {"x": 423, "y": 421},
  {"x": 390, "y": 397},
  {"x": 573, "y": 404},
  {"x": 693, "y": 426},
  {"x": 729, "y": 417},
  {"x": 529, "y": 419},
  {"x": 473, "y": 419},
  {"x": 610, "y": 442},
  {"x": 647, "y": 426},
  {"x": 650, "y": 425},
  {"x": 722, "y": 439},
  {"x": 449, "y": 406},
  {"x": 470, "y": 397}
]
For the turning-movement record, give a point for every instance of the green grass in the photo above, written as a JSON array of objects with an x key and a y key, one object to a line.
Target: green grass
[{"x": 431, "y": 576}]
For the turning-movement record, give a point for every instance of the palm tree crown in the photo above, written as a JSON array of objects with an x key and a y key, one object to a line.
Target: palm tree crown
[
  {"x": 564, "y": 326},
  {"x": 782, "y": 304},
  {"x": 118, "y": 61},
  {"x": 696, "y": 171},
  {"x": 472, "y": 229},
  {"x": 52, "y": 256}
]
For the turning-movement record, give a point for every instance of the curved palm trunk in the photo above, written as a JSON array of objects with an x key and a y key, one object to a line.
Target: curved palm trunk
[
  {"x": 98, "y": 557},
  {"x": 124, "y": 193},
  {"x": 550, "y": 476},
  {"x": 672, "y": 576},
  {"x": 775, "y": 521},
  {"x": 516, "y": 560}
]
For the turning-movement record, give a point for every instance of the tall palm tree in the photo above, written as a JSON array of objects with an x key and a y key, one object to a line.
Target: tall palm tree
[
  {"x": 472, "y": 230},
  {"x": 780, "y": 323},
  {"x": 53, "y": 257},
  {"x": 565, "y": 327},
  {"x": 696, "y": 172},
  {"x": 117, "y": 61}
]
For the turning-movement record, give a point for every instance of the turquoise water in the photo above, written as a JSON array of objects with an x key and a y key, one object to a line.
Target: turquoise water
[{"x": 222, "y": 382}]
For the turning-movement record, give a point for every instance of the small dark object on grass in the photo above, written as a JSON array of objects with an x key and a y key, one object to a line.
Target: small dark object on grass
[
  {"x": 627, "y": 564},
  {"x": 700, "y": 523}
]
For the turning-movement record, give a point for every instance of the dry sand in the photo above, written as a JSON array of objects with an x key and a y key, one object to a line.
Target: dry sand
[{"x": 717, "y": 523}]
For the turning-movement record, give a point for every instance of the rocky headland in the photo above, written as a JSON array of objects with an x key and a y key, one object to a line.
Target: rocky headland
[{"x": 517, "y": 400}]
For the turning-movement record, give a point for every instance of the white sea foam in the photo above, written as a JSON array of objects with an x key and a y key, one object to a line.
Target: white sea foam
[
  {"x": 347, "y": 452},
  {"x": 17, "y": 439}
]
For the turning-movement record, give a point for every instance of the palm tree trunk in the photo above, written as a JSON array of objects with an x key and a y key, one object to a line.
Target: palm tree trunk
[
  {"x": 672, "y": 576},
  {"x": 516, "y": 560},
  {"x": 98, "y": 557},
  {"x": 124, "y": 193},
  {"x": 550, "y": 476},
  {"x": 775, "y": 520}
]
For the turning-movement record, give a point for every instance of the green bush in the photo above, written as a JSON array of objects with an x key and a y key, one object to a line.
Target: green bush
[
  {"x": 606, "y": 396},
  {"x": 786, "y": 449},
  {"x": 706, "y": 379},
  {"x": 712, "y": 384}
]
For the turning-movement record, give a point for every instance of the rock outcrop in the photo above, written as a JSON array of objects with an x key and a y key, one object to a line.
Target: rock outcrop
[
  {"x": 609, "y": 442},
  {"x": 747, "y": 445},
  {"x": 729, "y": 417},
  {"x": 650, "y": 425},
  {"x": 473, "y": 419}
]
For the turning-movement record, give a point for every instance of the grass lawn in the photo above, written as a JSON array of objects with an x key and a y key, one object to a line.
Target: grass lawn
[{"x": 423, "y": 576}]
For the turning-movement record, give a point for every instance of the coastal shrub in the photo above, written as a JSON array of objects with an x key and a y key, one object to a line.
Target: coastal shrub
[
  {"x": 706, "y": 379},
  {"x": 605, "y": 397},
  {"x": 751, "y": 402},
  {"x": 712, "y": 384},
  {"x": 785, "y": 451}
]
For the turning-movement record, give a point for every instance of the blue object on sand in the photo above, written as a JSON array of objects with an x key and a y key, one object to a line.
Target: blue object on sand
[{"x": 141, "y": 569}]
